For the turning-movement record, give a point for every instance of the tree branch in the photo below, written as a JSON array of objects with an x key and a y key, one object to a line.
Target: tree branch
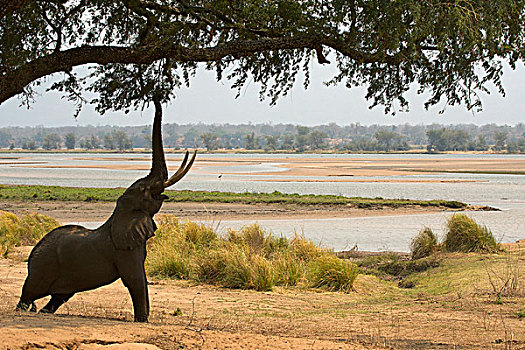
[
  {"x": 13, "y": 83},
  {"x": 10, "y": 6}
]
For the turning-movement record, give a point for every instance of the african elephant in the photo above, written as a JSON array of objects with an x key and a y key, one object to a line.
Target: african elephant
[{"x": 72, "y": 259}]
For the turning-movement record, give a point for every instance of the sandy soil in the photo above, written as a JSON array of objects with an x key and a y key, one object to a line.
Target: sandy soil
[
  {"x": 314, "y": 167},
  {"x": 372, "y": 317},
  {"x": 213, "y": 212}
]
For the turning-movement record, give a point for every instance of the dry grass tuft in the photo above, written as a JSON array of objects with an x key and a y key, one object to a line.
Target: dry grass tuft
[
  {"x": 23, "y": 230},
  {"x": 249, "y": 258},
  {"x": 423, "y": 244},
  {"x": 332, "y": 273},
  {"x": 465, "y": 235}
]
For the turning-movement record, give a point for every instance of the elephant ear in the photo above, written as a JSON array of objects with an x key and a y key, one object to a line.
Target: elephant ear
[{"x": 131, "y": 228}]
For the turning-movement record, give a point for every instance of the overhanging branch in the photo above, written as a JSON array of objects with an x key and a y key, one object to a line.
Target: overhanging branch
[{"x": 13, "y": 83}]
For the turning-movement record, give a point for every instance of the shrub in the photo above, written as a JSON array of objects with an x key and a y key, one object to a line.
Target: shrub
[
  {"x": 393, "y": 266},
  {"x": 236, "y": 271},
  {"x": 288, "y": 270},
  {"x": 170, "y": 255},
  {"x": 171, "y": 265},
  {"x": 465, "y": 235},
  {"x": 24, "y": 230},
  {"x": 257, "y": 241},
  {"x": 247, "y": 259},
  {"x": 262, "y": 273},
  {"x": 332, "y": 273},
  {"x": 304, "y": 249},
  {"x": 423, "y": 244}
]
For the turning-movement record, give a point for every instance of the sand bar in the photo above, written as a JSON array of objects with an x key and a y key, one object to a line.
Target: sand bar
[
  {"x": 211, "y": 212},
  {"x": 316, "y": 166}
]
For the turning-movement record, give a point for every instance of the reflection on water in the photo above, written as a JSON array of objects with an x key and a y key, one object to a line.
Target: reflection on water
[{"x": 371, "y": 233}]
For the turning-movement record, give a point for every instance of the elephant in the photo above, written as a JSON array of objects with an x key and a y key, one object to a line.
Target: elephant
[{"x": 72, "y": 259}]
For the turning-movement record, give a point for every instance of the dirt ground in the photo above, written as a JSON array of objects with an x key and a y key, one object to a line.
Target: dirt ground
[{"x": 375, "y": 316}]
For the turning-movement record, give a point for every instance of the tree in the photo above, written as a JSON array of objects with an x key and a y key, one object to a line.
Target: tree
[
  {"x": 287, "y": 142},
  {"x": 499, "y": 140},
  {"x": 301, "y": 139},
  {"x": 31, "y": 145},
  {"x": 140, "y": 48},
  {"x": 385, "y": 138},
  {"x": 316, "y": 139},
  {"x": 191, "y": 138},
  {"x": 211, "y": 141},
  {"x": 94, "y": 141},
  {"x": 479, "y": 144},
  {"x": 51, "y": 141},
  {"x": 447, "y": 140},
  {"x": 252, "y": 142},
  {"x": 388, "y": 140},
  {"x": 5, "y": 137},
  {"x": 147, "y": 139},
  {"x": 121, "y": 140},
  {"x": 271, "y": 142},
  {"x": 70, "y": 140},
  {"x": 109, "y": 142},
  {"x": 516, "y": 147}
]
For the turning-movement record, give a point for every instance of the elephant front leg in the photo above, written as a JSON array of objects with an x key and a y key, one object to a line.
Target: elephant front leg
[{"x": 134, "y": 278}]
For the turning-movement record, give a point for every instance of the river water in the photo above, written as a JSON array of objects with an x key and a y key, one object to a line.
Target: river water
[{"x": 506, "y": 192}]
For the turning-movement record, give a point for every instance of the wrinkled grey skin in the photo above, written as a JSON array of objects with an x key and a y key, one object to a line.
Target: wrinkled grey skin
[{"x": 73, "y": 259}]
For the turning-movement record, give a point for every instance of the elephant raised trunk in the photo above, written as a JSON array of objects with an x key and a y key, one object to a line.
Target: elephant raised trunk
[
  {"x": 158, "y": 163},
  {"x": 159, "y": 171},
  {"x": 72, "y": 259}
]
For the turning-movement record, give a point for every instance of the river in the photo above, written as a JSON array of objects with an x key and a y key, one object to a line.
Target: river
[{"x": 506, "y": 192}]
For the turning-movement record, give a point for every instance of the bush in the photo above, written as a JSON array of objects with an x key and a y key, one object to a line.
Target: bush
[
  {"x": 304, "y": 249},
  {"x": 257, "y": 241},
  {"x": 247, "y": 259},
  {"x": 25, "y": 230},
  {"x": 423, "y": 244},
  {"x": 170, "y": 254},
  {"x": 465, "y": 235},
  {"x": 288, "y": 270},
  {"x": 332, "y": 273},
  {"x": 393, "y": 266}
]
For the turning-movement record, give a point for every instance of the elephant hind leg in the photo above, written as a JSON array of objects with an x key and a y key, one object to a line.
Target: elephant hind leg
[
  {"x": 26, "y": 306},
  {"x": 33, "y": 289},
  {"x": 56, "y": 301}
]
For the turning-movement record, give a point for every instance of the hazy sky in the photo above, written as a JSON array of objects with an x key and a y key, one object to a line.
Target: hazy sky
[{"x": 209, "y": 101}]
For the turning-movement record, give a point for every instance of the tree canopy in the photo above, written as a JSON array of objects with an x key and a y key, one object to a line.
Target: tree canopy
[{"x": 138, "y": 49}]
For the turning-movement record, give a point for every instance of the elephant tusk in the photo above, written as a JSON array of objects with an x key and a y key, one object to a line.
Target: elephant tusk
[{"x": 183, "y": 169}]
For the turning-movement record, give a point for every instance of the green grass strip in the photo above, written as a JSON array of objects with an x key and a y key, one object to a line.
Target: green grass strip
[{"x": 58, "y": 193}]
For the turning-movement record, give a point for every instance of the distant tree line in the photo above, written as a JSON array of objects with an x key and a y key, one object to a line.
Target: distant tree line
[
  {"x": 118, "y": 139},
  {"x": 279, "y": 137}
]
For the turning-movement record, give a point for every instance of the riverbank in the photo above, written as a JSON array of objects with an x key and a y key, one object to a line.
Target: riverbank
[
  {"x": 96, "y": 204},
  {"x": 81, "y": 211},
  {"x": 32, "y": 193}
]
